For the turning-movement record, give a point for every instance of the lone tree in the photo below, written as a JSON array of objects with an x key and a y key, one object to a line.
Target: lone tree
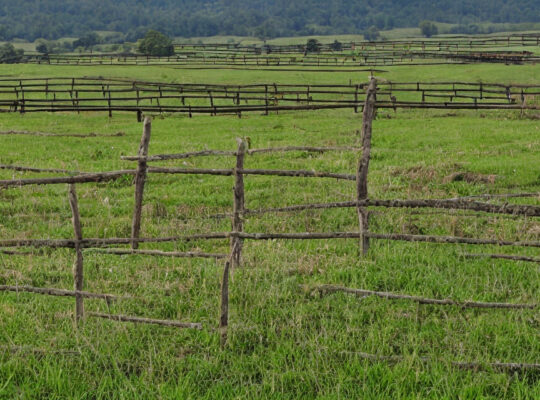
[
  {"x": 428, "y": 28},
  {"x": 371, "y": 34},
  {"x": 42, "y": 47},
  {"x": 336, "y": 46},
  {"x": 10, "y": 55},
  {"x": 156, "y": 44},
  {"x": 313, "y": 46}
]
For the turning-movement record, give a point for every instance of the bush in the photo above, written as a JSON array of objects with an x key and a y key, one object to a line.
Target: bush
[
  {"x": 313, "y": 46},
  {"x": 156, "y": 44},
  {"x": 336, "y": 46}
]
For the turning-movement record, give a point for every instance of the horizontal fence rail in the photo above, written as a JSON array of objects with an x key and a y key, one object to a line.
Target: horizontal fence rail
[{"x": 118, "y": 95}]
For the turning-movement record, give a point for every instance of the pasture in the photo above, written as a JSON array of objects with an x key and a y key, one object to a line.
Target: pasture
[{"x": 285, "y": 339}]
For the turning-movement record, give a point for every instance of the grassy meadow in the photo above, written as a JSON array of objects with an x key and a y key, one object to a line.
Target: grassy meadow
[{"x": 285, "y": 341}]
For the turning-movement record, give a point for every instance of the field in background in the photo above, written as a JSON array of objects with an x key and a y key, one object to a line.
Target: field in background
[{"x": 284, "y": 340}]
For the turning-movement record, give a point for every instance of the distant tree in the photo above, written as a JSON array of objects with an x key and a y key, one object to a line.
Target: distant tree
[
  {"x": 156, "y": 44},
  {"x": 10, "y": 55},
  {"x": 313, "y": 46},
  {"x": 42, "y": 47},
  {"x": 371, "y": 34},
  {"x": 336, "y": 46},
  {"x": 87, "y": 40},
  {"x": 428, "y": 28}
]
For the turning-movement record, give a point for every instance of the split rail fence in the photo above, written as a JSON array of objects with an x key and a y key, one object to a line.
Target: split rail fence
[
  {"x": 362, "y": 58},
  {"x": 448, "y": 43},
  {"x": 237, "y": 236},
  {"x": 33, "y": 95}
]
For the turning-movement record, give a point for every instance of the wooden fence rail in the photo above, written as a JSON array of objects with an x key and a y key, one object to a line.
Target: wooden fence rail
[{"x": 118, "y": 95}]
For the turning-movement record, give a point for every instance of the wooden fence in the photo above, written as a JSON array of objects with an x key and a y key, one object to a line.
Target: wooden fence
[
  {"x": 455, "y": 43},
  {"x": 364, "y": 57},
  {"x": 237, "y": 236},
  {"x": 32, "y": 95}
]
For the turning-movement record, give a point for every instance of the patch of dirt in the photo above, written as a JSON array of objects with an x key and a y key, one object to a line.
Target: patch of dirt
[{"x": 534, "y": 229}]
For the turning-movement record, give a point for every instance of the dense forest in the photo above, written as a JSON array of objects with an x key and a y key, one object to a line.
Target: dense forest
[{"x": 51, "y": 19}]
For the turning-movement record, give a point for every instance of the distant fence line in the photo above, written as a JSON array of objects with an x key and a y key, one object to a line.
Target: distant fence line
[
  {"x": 370, "y": 57},
  {"x": 447, "y": 50},
  {"x": 455, "y": 42},
  {"x": 237, "y": 236},
  {"x": 110, "y": 95}
]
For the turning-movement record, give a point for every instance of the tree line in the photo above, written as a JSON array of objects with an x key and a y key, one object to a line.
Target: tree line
[{"x": 52, "y": 19}]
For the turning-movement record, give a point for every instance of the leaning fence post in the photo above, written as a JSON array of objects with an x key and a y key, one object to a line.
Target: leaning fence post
[
  {"x": 363, "y": 164},
  {"x": 140, "y": 178},
  {"x": 78, "y": 266},
  {"x": 238, "y": 205}
]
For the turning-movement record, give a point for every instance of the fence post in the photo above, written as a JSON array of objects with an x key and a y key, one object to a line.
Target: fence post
[
  {"x": 140, "y": 178},
  {"x": 109, "y": 101},
  {"x": 266, "y": 99},
  {"x": 238, "y": 205},
  {"x": 356, "y": 99},
  {"x": 224, "y": 315},
  {"x": 363, "y": 164},
  {"x": 78, "y": 266}
]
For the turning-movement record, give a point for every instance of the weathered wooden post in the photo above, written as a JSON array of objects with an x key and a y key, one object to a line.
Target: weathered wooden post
[
  {"x": 238, "y": 205},
  {"x": 78, "y": 277},
  {"x": 109, "y": 101},
  {"x": 140, "y": 179},
  {"x": 224, "y": 314},
  {"x": 363, "y": 164}
]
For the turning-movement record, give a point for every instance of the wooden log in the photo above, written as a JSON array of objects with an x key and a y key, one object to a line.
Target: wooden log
[
  {"x": 363, "y": 163},
  {"x": 451, "y": 239},
  {"x": 224, "y": 315},
  {"x": 238, "y": 204},
  {"x": 78, "y": 273},
  {"x": 505, "y": 256},
  {"x": 18, "y": 253},
  {"x": 298, "y": 173},
  {"x": 103, "y": 242},
  {"x": 230, "y": 172},
  {"x": 55, "y": 292},
  {"x": 383, "y": 236},
  {"x": 77, "y": 135},
  {"x": 140, "y": 320},
  {"x": 31, "y": 169},
  {"x": 37, "y": 352},
  {"x": 159, "y": 253},
  {"x": 82, "y": 178},
  {"x": 422, "y": 300},
  {"x": 499, "y": 196},
  {"x": 471, "y": 365},
  {"x": 140, "y": 178},
  {"x": 97, "y": 242},
  {"x": 449, "y": 204},
  {"x": 203, "y": 153}
]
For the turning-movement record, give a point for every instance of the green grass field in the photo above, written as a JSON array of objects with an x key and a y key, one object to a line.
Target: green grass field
[{"x": 285, "y": 341}]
